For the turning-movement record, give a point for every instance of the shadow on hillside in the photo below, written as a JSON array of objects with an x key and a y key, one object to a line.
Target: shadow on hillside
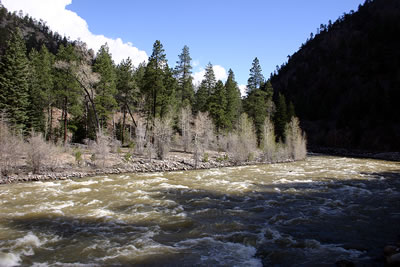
[{"x": 360, "y": 216}]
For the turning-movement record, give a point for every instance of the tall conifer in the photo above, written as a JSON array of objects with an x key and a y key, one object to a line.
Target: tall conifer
[
  {"x": 41, "y": 86},
  {"x": 14, "y": 75},
  {"x": 256, "y": 78},
  {"x": 183, "y": 71},
  {"x": 106, "y": 88},
  {"x": 234, "y": 107}
]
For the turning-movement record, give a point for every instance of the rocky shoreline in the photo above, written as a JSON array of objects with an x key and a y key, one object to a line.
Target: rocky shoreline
[
  {"x": 142, "y": 165},
  {"x": 137, "y": 166}
]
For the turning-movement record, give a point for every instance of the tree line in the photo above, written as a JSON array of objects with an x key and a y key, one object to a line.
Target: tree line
[{"x": 75, "y": 95}]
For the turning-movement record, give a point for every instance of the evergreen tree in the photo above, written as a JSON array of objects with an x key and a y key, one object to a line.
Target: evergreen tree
[
  {"x": 127, "y": 92},
  {"x": 67, "y": 90},
  {"x": 14, "y": 75},
  {"x": 256, "y": 78},
  {"x": 290, "y": 111},
  {"x": 280, "y": 117},
  {"x": 154, "y": 80},
  {"x": 255, "y": 105},
  {"x": 209, "y": 79},
  {"x": 233, "y": 98},
  {"x": 259, "y": 105},
  {"x": 217, "y": 107},
  {"x": 167, "y": 100},
  {"x": 268, "y": 89},
  {"x": 41, "y": 86},
  {"x": 206, "y": 89},
  {"x": 183, "y": 69},
  {"x": 201, "y": 98},
  {"x": 106, "y": 88}
]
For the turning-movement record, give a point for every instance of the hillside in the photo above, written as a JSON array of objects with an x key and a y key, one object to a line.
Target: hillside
[
  {"x": 36, "y": 33},
  {"x": 345, "y": 80}
]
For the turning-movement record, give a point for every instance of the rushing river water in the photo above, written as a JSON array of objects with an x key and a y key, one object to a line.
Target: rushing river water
[{"x": 308, "y": 213}]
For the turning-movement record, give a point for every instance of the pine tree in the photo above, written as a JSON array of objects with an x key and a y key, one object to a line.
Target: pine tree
[
  {"x": 41, "y": 86},
  {"x": 255, "y": 105},
  {"x": 280, "y": 117},
  {"x": 256, "y": 78},
  {"x": 209, "y": 79},
  {"x": 290, "y": 111},
  {"x": 167, "y": 100},
  {"x": 217, "y": 107},
  {"x": 106, "y": 88},
  {"x": 67, "y": 89},
  {"x": 14, "y": 75},
  {"x": 201, "y": 98},
  {"x": 206, "y": 89},
  {"x": 183, "y": 69},
  {"x": 154, "y": 80},
  {"x": 233, "y": 97},
  {"x": 127, "y": 95}
]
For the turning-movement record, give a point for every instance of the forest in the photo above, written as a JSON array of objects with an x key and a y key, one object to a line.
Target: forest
[
  {"x": 60, "y": 92},
  {"x": 345, "y": 80}
]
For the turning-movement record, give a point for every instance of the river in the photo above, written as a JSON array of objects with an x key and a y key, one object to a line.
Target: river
[{"x": 309, "y": 213}]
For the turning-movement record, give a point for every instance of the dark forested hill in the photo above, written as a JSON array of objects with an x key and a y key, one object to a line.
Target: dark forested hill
[
  {"x": 36, "y": 33},
  {"x": 345, "y": 80}
]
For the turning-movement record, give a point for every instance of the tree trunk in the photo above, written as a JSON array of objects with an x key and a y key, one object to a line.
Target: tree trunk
[
  {"x": 123, "y": 128},
  {"x": 65, "y": 120}
]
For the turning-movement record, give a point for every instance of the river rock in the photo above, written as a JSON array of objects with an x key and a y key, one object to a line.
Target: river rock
[
  {"x": 393, "y": 260},
  {"x": 390, "y": 250}
]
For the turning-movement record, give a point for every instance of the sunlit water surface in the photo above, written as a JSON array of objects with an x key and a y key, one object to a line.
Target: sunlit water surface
[{"x": 314, "y": 212}]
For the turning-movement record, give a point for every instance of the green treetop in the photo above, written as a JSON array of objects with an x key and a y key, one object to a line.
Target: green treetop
[
  {"x": 41, "y": 88},
  {"x": 183, "y": 71},
  {"x": 256, "y": 78},
  {"x": 205, "y": 90},
  {"x": 106, "y": 88},
  {"x": 233, "y": 97},
  {"x": 14, "y": 75},
  {"x": 209, "y": 79},
  {"x": 217, "y": 107},
  {"x": 67, "y": 90},
  {"x": 154, "y": 86},
  {"x": 280, "y": 117}
]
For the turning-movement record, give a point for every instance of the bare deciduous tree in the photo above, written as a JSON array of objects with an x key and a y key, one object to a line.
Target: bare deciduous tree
[
  {"x": 101, "y": 148},
  {"x": 140, "y": 132},
  {"x": 242, "y": 144},
  {"x": 295, "y": 140},
  {"x": 268, "y": 142},
  {"x": 185, "y": 123},
  {"x": 162, "y": 131},
  {"x": 39, "y": 152},
  {"x": 11, "y": 148},
  {"x": 203, "y": 134}
]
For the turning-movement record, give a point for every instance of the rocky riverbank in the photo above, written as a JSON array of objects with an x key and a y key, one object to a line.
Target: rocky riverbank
[{"x": 177, "y": 162}]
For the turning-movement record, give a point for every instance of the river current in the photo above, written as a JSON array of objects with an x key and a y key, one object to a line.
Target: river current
[{"x": 309, "y": 213}]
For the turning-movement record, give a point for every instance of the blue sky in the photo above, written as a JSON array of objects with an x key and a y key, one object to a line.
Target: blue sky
[{"x": 228, "y": 33}]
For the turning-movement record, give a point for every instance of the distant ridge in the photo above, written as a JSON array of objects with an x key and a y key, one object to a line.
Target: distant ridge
[{"x": 36, "y": 33}]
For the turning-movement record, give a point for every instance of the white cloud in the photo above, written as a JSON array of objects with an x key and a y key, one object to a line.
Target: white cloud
[
  {"x": 242, "y": 88},
  {"x": 219, "y": 71},
  {"x": 195, "y": 63},
  {"x": 68, "y": 23}
]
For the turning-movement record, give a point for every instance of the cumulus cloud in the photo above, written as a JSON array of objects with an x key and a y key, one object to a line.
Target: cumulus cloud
[
  {"x": 219, "y": 71},
  {"x": 242, "y": 88},
  {"x": 70, "y": 24}
]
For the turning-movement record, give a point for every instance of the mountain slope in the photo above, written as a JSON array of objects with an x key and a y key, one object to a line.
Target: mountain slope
[
  {"x": 345, "y": 82},
  {"x": 36, "y": 33}
]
